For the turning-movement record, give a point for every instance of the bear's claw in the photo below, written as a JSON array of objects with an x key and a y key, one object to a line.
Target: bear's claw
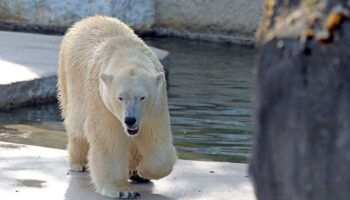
[
  {"x": 129, "y": 195},
  {"x": 77, "y": 168},
  {"x": 120, "y": 195}
]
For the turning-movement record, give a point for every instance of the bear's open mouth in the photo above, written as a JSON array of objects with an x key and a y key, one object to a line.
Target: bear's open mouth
[{"x": 133, "y": 131}]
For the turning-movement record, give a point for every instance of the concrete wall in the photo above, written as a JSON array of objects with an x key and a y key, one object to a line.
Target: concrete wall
[
  {"x": 138, "y": 13},
  {"x": 216, "y": 20},
  {"x": 222, "y": 19}
]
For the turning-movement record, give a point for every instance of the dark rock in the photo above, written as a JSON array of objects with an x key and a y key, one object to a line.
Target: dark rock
[
  {"x": 302, "y": 133},
  {"x": 302, "y": 111}
]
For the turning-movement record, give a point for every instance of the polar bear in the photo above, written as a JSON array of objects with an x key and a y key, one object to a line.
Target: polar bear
[{"x": 112, "y": 95}]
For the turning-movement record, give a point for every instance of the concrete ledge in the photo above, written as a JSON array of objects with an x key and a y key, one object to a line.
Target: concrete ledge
[
  {"x": 29, "y": 65},
  {"x": 42, "y": 90},
  {"x": 30, "y": 172},
  {"x": 237, "y": 38}
]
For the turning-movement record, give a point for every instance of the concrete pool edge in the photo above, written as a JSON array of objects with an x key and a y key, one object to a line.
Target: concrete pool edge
[{"x": 32, "y": 171}]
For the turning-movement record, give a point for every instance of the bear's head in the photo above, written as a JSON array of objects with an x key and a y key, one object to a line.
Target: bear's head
[{"x": 132, "y": 95}]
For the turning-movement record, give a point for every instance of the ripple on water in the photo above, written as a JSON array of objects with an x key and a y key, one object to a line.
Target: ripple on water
[{"x": 209, "y": 98}]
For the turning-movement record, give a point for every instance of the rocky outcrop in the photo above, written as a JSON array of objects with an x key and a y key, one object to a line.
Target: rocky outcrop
[{"x": 302, "y": 102}]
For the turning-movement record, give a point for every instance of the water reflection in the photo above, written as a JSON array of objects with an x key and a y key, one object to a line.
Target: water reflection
[
  {"x": 209, "y": 100},
  {"x": 209, "y": 97}
]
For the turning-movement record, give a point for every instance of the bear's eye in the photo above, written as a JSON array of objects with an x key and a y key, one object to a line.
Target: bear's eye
[
  {"x": 142, "y": 98},
  {"x": 121, "y": 99}
]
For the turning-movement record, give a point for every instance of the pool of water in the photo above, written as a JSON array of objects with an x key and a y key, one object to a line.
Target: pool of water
[{"x": 209, "y": 97}]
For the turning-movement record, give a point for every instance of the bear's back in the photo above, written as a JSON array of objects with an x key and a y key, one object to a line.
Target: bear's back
[
  {"x": 82, "y": 39},
  {"x": 95, "y": 29}
]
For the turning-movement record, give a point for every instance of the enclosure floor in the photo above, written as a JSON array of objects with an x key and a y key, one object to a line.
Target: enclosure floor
[{"x": 31, "y": 172}]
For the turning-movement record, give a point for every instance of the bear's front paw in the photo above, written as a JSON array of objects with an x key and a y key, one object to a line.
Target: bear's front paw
[{"x": 121, "y": 195}]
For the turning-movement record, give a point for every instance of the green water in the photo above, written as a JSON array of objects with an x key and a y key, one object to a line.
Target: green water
[{"x": 209, "y": 99}]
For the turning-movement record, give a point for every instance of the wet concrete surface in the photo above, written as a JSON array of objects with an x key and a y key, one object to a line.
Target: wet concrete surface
[{"x": 30, "y": 172}]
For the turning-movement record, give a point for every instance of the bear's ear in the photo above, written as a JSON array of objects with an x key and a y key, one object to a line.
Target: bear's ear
[
  {"x": 160, "y": 78},
  {"x": 106, "y": 78}
]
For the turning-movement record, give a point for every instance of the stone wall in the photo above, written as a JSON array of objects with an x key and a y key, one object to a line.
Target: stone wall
[
  {"x": 215, "y": 20},
  {"x": 52, "y": 13},
  {"x": 219, "y": 20}
]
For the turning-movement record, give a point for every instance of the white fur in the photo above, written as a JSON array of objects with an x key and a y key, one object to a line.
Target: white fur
[{"x": 100, "y": 57}]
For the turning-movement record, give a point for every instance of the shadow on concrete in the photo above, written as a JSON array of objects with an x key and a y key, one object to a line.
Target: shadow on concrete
[
  {"x": 27, "y": 171},
  {"x": 81, "y": 188}
]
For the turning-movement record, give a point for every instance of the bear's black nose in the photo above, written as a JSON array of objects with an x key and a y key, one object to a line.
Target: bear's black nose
[{"x": 130, "y": 121}]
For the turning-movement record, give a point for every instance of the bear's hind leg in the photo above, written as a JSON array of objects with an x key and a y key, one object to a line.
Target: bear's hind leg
[
  {"x": 134, "y": 160},
  {"x": 78, "y": 148}
]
